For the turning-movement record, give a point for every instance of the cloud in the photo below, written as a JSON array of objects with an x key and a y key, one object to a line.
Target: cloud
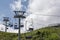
[
  {"x": 46, "y": 11},
  {"x": 16, "y": 5}
]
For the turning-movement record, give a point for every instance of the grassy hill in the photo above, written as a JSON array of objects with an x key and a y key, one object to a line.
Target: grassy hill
[{"x": 48, "y": 33}]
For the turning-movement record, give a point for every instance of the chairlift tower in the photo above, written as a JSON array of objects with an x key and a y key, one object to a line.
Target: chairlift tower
[
  {"x": 6, "y": 19},
  {"x": 19, "y": 15}
]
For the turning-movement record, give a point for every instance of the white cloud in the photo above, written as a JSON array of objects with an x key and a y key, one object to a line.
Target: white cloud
[
  {"x": 43, "y": 9},
  {"x": 16, "y": 5}
]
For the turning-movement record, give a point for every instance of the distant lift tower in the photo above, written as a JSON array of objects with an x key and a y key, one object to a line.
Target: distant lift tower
[{"x": 6, "y": 19}]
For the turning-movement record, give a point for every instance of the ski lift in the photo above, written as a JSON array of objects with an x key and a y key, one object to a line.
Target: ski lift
[
  {"x": 15, "y": 26},
  {"x": 7, "y": 28},
  {"x": 28, "y": 37},
  {"x": 30, "y": 29},
  {"x": 21, "y": 25},
  {"x": 11, "y": 25}
]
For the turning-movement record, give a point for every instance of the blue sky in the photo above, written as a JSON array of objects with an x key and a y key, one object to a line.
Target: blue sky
[
  {"x": 25, "y": 4},
  {"x": 5, "y": 8}
]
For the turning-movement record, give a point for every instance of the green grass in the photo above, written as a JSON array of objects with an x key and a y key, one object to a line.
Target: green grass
[
  {"x": 7, "y": 36},
  {"x": 48, "y": 33}
]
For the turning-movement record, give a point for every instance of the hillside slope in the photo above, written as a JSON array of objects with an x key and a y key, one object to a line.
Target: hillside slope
[{"x": 48, "y": 33}]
